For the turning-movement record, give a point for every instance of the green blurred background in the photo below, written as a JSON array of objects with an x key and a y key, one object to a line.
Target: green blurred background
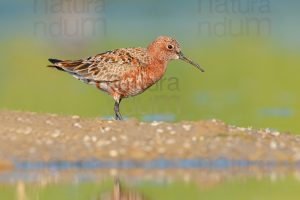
[{"x": 249, "y": 48}]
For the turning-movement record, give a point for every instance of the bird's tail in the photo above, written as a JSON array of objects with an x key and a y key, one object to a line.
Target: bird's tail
[
  {"x": 54, "y": 61},
  {"x": 55, "y": 64}
]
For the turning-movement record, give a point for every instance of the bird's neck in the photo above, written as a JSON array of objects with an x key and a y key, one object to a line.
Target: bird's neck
[
  {"x": 155, "y": 70},
  {"x": 157, "y": 64}
]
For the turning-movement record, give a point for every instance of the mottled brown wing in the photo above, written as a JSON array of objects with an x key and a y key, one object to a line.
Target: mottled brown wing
[{"x": 106, "y": 67}]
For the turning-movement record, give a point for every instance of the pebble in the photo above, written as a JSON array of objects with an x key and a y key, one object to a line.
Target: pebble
[
  {"x": 86, "y": 138},
  {"x": 113, "y": 138},
  {"x": 113, "y": 153},
  {"x": 22, "y": 120},
  {"x": 268, "y": 131},
  {"x": 77, "y": 125},
  {"x": 276, "y": 133},
  {"x": 27, "y": 130},
  {"x": 172, "y": 132},
  {"x": 49, "y": 122},
  {"x": 159, "y": 130},
  {"x": 106, "y": 129},
  {"x": 241, "y": 129},
  {"x": 214, "y": 120},
  {"x": 186, "y": 127},
  {"x": 75, "y": 117},
  {"x": 124, "y": 137},
  {"x": 56, "y": 134},
  {"x": 170, "y": 141},
  {"x": 94, "y": 138},
  {"x": 273, "y": 145},
  {"x": 155, "y": 123}
]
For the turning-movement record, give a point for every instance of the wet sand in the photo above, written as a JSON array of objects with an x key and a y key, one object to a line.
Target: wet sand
[{"x": 26, "y": 136}]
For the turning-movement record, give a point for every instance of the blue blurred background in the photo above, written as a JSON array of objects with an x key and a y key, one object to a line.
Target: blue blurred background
[{"x": 250, "y": 50}]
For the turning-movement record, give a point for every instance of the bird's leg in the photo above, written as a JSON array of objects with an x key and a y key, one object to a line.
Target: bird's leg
[{"x": 117, "y": 110}]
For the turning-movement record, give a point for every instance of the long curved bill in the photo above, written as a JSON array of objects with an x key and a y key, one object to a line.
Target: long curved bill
[{"x": 184, "y": 58}]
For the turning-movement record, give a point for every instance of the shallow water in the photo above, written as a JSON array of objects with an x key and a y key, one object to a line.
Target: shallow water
[
  {"x": 157, "y": 179},
  {"x": 221, "y": 164},
  {"x": 93, "y": 186}
]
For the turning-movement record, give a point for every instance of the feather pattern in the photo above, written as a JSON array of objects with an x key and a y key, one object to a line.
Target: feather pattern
[{"x": 105, "y": 67}]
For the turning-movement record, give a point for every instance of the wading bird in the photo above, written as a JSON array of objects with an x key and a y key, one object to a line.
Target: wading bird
[{"x": 125, "y": 72}]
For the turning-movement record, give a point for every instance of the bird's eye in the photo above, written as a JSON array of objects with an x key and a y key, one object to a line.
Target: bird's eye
[{"x": 170, "y": 46}]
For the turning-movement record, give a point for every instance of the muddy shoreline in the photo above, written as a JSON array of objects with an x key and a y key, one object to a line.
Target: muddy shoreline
[{"x": 27, "y": 136}]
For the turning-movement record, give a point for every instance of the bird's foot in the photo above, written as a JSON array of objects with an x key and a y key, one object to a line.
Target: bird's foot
[{"x": 118, "y": 117}]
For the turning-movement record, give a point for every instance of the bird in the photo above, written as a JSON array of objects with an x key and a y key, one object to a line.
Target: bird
[
  {"x": 119, "y": 193},
  {"x": 125, "y": 72}
]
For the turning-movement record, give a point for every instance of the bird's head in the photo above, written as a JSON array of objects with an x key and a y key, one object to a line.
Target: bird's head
[{"x": 165, "y": 48}]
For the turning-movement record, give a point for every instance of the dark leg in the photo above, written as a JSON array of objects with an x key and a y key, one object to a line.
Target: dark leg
[{"x": 117, "y": 111}]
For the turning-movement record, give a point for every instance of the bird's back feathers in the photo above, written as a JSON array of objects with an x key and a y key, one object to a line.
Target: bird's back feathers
[{"x": 105, "y": 67}]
